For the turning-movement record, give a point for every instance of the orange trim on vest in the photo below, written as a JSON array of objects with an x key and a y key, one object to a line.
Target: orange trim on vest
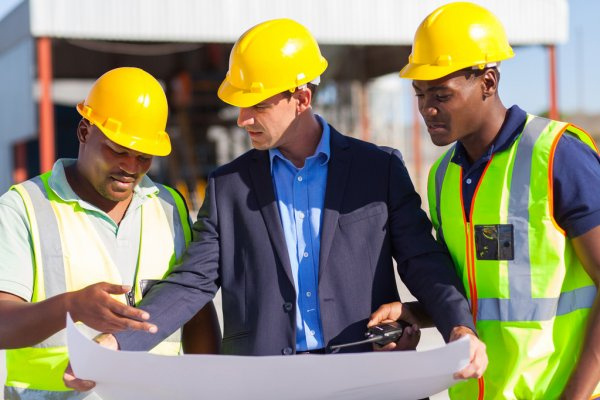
[
  {"x": 481, "y": 384},
  {"x": 551, "y": 180},
  {"x": 471, "y": 260},
  {"x": 468, "y": 251}
]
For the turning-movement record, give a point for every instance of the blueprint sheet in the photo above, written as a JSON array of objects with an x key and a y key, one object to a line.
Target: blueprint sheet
[{"x": 385, "y": 375}]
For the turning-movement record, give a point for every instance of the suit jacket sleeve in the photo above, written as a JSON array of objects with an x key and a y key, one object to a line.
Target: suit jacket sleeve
[
  {"x": 424, "y": 266},
  {"x": 189, "y": 287}
]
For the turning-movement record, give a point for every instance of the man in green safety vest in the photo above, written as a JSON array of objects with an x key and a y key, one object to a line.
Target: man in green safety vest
[
  {"x": 90, "y": 237},
  {"x": 515, "y": 202}
]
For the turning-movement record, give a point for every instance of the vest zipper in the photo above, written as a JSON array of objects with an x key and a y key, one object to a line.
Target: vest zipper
[
  {"x": 470, "y": 260},
  {"x": 130, "y": 296},
  {"x": 470, "y": 257}
]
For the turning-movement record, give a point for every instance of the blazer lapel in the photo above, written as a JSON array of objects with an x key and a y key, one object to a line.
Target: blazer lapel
[
  {"x": 262, "y": 181},
  {"x": 337, "y": 176}
]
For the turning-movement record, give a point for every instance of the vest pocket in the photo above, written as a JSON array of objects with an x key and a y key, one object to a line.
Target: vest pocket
[{"x": 494, "y": 242}]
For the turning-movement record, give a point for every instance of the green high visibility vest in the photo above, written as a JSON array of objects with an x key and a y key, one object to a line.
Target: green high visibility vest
[
  {"x": 529, "y": 294},
  {"x": 69, "y": 255}
]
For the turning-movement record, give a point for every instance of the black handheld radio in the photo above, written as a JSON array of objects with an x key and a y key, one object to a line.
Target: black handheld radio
[{"x": 380, "y": 334}]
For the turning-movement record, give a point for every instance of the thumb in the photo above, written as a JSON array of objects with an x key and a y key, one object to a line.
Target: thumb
[
  {"x": 378, "y": 317},
  {"x": 74, "y": 383},
  {"x": 385, "y": 313}
]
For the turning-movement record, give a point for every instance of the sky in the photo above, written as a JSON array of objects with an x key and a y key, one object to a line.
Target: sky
[
  {"x": 525, "y": 79},
  {"x": 7, "y": 5}
]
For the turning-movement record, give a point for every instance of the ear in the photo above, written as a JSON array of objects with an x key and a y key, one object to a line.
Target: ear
[
  {"x": 83, "y": 130},
  {"x": 304, "y": 98},
  {"x": 489, "y": 82}
]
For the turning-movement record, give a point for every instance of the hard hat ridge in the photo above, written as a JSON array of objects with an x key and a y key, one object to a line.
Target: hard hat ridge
[
  {"x": 456, "y": 36},
  {"x": 270, "y": 58},
  {"x": 130, "y": 107}
]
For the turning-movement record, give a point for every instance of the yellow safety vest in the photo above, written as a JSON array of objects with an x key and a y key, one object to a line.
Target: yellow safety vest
[
  {"x": 529, "y": 294},
  {"x": 69, "y": 255}
]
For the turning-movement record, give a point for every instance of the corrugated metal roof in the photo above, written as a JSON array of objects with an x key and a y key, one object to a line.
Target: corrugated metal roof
[{"x": 331, "y": 21}]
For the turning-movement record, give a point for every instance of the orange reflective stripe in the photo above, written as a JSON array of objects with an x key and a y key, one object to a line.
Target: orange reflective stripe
[
  {"x": 471, "y": 271},
  {"x": 471, "y": 242},
  {"x": 471, "y": 262},
  {"x": 551, "y": 180},
  {"x": 468, "y": 250},
  {"x": 481, "y": 384}
]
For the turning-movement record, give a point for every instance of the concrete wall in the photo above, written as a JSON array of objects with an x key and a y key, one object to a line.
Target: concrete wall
[{"x": 17, "y": 111}]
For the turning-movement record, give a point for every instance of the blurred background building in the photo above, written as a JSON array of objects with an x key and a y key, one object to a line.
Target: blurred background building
[{"x": 51, "y": 51}]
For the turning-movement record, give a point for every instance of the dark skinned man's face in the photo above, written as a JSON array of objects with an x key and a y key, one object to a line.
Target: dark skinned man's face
[
  {"x": 111, "y": 169},
  {"x": 451, "y": 106}
]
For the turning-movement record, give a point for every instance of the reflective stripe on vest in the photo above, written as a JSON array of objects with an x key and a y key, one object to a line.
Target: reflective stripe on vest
[
  {"x": 521, "y": 306},
  {"x": 531, "y": 310},
  {"x": 16, "y": 393},
  {"x": 54, "y": 223}
]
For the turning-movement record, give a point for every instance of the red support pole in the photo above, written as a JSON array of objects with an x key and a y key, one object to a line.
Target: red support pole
[
  {"x": 20, "y": 162},
  {"x": 553, "y": 112},
  {"x": 46, "y": 108}
]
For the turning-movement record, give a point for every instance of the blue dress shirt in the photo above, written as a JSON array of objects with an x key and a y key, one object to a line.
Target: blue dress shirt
[{"x": 300, "y": 197}]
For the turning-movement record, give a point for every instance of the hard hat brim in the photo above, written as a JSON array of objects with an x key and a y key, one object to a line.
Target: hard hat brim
[
  {"x": 426, "y": 72},
  {"x": 243, "y": 98},
  {"x": 160, "y": 147}
]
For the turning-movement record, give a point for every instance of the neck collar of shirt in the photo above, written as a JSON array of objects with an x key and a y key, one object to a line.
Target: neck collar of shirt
[
  {"x": 322, "y": 151},
  {"x": 60, "y": 185},
  {"x": 509, "y": 132}
]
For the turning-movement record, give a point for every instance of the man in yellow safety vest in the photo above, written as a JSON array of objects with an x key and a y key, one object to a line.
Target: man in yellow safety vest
[
  {"x": 90, "y": 237},
  {"x": 515, "y": 202}
]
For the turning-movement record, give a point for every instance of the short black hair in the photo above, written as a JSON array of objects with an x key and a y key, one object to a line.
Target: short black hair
[{"x": 470, "y": 71}]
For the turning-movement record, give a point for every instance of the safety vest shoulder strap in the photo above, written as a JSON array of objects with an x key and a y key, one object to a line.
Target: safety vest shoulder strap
[
  {"x": 177, "y": 214},
  {"x": 434, "y": 188},
  {"x": 49, "y": 278}
]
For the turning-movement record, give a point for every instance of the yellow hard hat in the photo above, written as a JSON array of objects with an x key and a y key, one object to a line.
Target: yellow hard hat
[
  {"x": 453, "y": 37},
  {"x": 130, "y": 107},
  {"x": 270, "y": 58}
]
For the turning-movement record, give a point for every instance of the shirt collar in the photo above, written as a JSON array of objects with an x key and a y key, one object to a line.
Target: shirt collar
[
  {"x": 59, "y": 184},
  {"x": 509, "y": 132},
  {"x": 323, "y": 150}
]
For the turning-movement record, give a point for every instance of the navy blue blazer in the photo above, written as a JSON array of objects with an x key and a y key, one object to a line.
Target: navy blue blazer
[{"x": 371, "y": 214}]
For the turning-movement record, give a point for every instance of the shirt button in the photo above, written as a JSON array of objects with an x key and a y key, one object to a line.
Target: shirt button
[
  {"x": 312, "y": 333},
  {"x": 300, "y": 214},
  {"x": 287, "y": 351},
  {"x": 305, "y": 254},
  {"x": 288, "y": 307},
  {"x": 469, "y": 181},
  {"x": 300, "y": 178},
  {"x": 308, "y": 294}
]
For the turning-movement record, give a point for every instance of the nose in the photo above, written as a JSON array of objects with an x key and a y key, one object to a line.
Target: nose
[
  {"x": 245, "y": 117},
  {"x": 131, "y": 164},
  {"x": 426, "y": 108}
]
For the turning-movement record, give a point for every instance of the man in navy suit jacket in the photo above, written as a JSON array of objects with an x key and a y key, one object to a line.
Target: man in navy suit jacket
[{"x": 299, "y": 233}]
